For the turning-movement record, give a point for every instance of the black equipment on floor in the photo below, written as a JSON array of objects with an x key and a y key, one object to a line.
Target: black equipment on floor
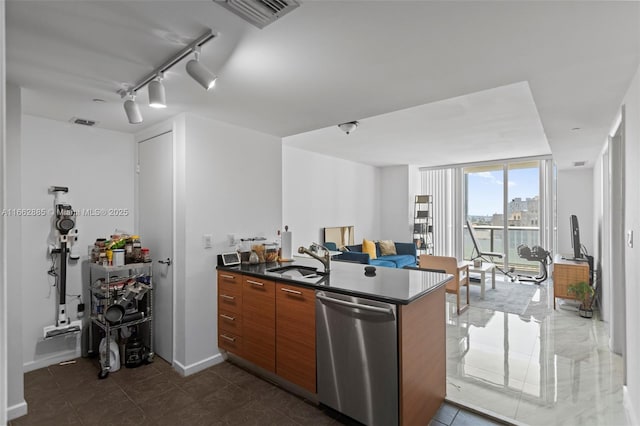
[{"x": 534, "y": 254}]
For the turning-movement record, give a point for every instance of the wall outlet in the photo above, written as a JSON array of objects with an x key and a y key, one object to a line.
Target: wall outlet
[
  {"x": 207, "y": 241},
  {"x": 630, "y": 238}
]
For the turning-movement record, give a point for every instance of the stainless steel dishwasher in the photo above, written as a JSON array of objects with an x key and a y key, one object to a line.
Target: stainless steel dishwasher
[{"x": 357, "y": 357}]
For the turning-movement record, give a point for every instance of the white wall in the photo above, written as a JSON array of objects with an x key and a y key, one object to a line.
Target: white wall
[
  {"x": 395, "y": 212},
  {"x": 399, "y": 185},
  {"x": 16, "y": 403},
  {"x": 632, "y": 255},
  {"x": 98, "y": 167},
  {"x": 233, "y": 184},
  {"x": 3, "y": 227},
  {"x": 319, "y": 191},
  {"x": 575, "y": 196}
]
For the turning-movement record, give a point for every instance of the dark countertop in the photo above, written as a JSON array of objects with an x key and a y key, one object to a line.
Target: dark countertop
[{"x": 391, "y": 285}]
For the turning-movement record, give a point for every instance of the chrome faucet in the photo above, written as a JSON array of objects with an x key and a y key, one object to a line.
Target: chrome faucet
[{"x": 326, "y": 259}]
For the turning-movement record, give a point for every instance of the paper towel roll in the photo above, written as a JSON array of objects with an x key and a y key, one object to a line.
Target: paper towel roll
[{"x": 286, "y": 245}]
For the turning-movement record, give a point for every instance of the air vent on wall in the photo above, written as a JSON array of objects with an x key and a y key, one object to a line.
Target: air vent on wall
[
  {"x": 259, "y": 12},
  {"x": 579, "y": 163},
  {"x": 83, "y": 121}
]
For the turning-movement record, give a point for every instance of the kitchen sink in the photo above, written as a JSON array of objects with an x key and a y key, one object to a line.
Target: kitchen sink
[{"x": 293, "y": 271}]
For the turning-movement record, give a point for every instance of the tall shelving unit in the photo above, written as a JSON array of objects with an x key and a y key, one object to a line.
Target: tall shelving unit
[
  {"x": 423, "y": 223},
  {"x": 106, "y": 285}
]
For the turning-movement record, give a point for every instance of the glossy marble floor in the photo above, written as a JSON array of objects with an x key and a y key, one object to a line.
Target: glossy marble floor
[{"x": 543, "y": 367}]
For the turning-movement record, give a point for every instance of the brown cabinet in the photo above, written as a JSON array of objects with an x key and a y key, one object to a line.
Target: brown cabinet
[
  {"x": 272, "y": 324},
  {"x": 565, "y": 273},
  {"x": 259, "y": 322},
  {"x": 230, "y": 312},
  {"x": 296, "y": 335}
]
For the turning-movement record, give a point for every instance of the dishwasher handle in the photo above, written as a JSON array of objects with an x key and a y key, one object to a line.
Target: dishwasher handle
[{"x": 370, "y": 308}]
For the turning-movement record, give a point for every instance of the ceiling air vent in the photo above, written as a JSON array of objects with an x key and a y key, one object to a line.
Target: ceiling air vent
[
  {"x": 83, "y": 121},
  {"x": 579, "y": 163},
  {"x": 259, "y": 12}
]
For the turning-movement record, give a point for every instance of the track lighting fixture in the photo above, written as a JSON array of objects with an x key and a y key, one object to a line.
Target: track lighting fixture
[
  {"x": 199, "y": 72},
  {"x": 153, "y": 80},
  {"x": 348, "y": 127},
  {"x": 157, "y": 98},
  {"x": 132, "y": 110}
]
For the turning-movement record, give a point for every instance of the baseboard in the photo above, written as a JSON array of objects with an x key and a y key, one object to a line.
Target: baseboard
[
  {"x": 629, "y": 407},
  {"x": 51, "y": 360},
  {"x": 198, "y": 366},
  {"x": 17, "y": 410}
]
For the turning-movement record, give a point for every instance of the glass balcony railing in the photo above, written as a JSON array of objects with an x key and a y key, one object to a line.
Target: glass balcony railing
[{"x": 491, "y": 238}]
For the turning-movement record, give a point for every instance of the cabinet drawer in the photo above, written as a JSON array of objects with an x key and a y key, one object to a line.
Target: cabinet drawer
[
  {"x": 230, "y": 342},
  {"x": 230, "y": 321},
  {"x": 229, "y": 281},
  {"x": 572, "y": 275},
  {"x": 230, "y": 301}
]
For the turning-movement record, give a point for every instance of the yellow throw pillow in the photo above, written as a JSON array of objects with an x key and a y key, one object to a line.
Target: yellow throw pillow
[
  {"x": 387, "y": 248},
  {"x": 369, "y": 247}
]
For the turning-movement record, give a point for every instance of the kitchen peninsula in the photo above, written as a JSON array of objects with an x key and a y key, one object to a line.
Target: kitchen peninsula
[{"x": 371, "y": 346}]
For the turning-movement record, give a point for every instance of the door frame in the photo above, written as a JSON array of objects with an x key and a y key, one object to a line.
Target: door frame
[
  {"x": 616, "y": 234},
  {"x": 147, "y": 134}
]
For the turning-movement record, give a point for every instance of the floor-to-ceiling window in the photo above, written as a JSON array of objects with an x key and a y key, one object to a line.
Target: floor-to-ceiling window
[
  {"x": 509, "y": 203},
  {"x": 503, "y": 203},
  {"x": 484, "y": 196},
  {"x": 523, "y": 211}
]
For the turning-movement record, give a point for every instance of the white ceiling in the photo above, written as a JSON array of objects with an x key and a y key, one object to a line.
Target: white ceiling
[{"x": 431, "y": 82}]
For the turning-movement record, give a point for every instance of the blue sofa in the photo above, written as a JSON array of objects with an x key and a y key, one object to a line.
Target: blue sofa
[{"x": 406, "y": 256}]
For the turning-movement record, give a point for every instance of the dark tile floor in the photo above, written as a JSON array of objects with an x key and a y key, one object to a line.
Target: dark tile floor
[{"x": 155, "y": 394}]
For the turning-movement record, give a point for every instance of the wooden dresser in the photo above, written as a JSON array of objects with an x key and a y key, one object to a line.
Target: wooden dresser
[{"x": 565, "y": 273}]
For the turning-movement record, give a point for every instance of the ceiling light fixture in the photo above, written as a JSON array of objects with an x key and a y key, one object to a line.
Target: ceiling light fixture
[
  {"x": 157, "y": 98},
  {"x": 132, "y": 109},
  {"x": 199, "y": 72},
  {"x": 349, "y": 126}
]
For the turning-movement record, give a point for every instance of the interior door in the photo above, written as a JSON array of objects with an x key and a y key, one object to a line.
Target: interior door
[{"x": 155, "y": 225}]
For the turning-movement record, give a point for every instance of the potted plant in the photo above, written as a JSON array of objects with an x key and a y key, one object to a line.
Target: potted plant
[{"x": 584, "y": 293}]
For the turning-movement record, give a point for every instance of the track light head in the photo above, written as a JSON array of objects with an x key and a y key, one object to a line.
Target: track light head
[
  {"x": 200, "y": 73},
  {"x": 132, "y": 110},
  {"x": 153, "y": 80},
  {"x": 157, "y": 98}
]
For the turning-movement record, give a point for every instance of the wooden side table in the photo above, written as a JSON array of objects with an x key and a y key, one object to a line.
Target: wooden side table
[
  {"x": 482, "y": 270},
  {"x": 565, "y": 273}
]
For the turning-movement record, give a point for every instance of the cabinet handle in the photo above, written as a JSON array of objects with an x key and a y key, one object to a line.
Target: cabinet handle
[
  {"x": 229, "y": 277},
  {"x": 224, "y": 296},
  {"x": 227, "y": 317},
  {"x": 255, "y": 283},
  {"x": 299, "y": 293},
  {"x": 231, "y": 339}
]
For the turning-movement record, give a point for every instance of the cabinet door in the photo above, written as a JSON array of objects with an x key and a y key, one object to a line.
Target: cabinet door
[
  {"x": 296, "y": 335},
  {"x": 566, "y": 274},
  {"x": 259, "y": 322}
]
